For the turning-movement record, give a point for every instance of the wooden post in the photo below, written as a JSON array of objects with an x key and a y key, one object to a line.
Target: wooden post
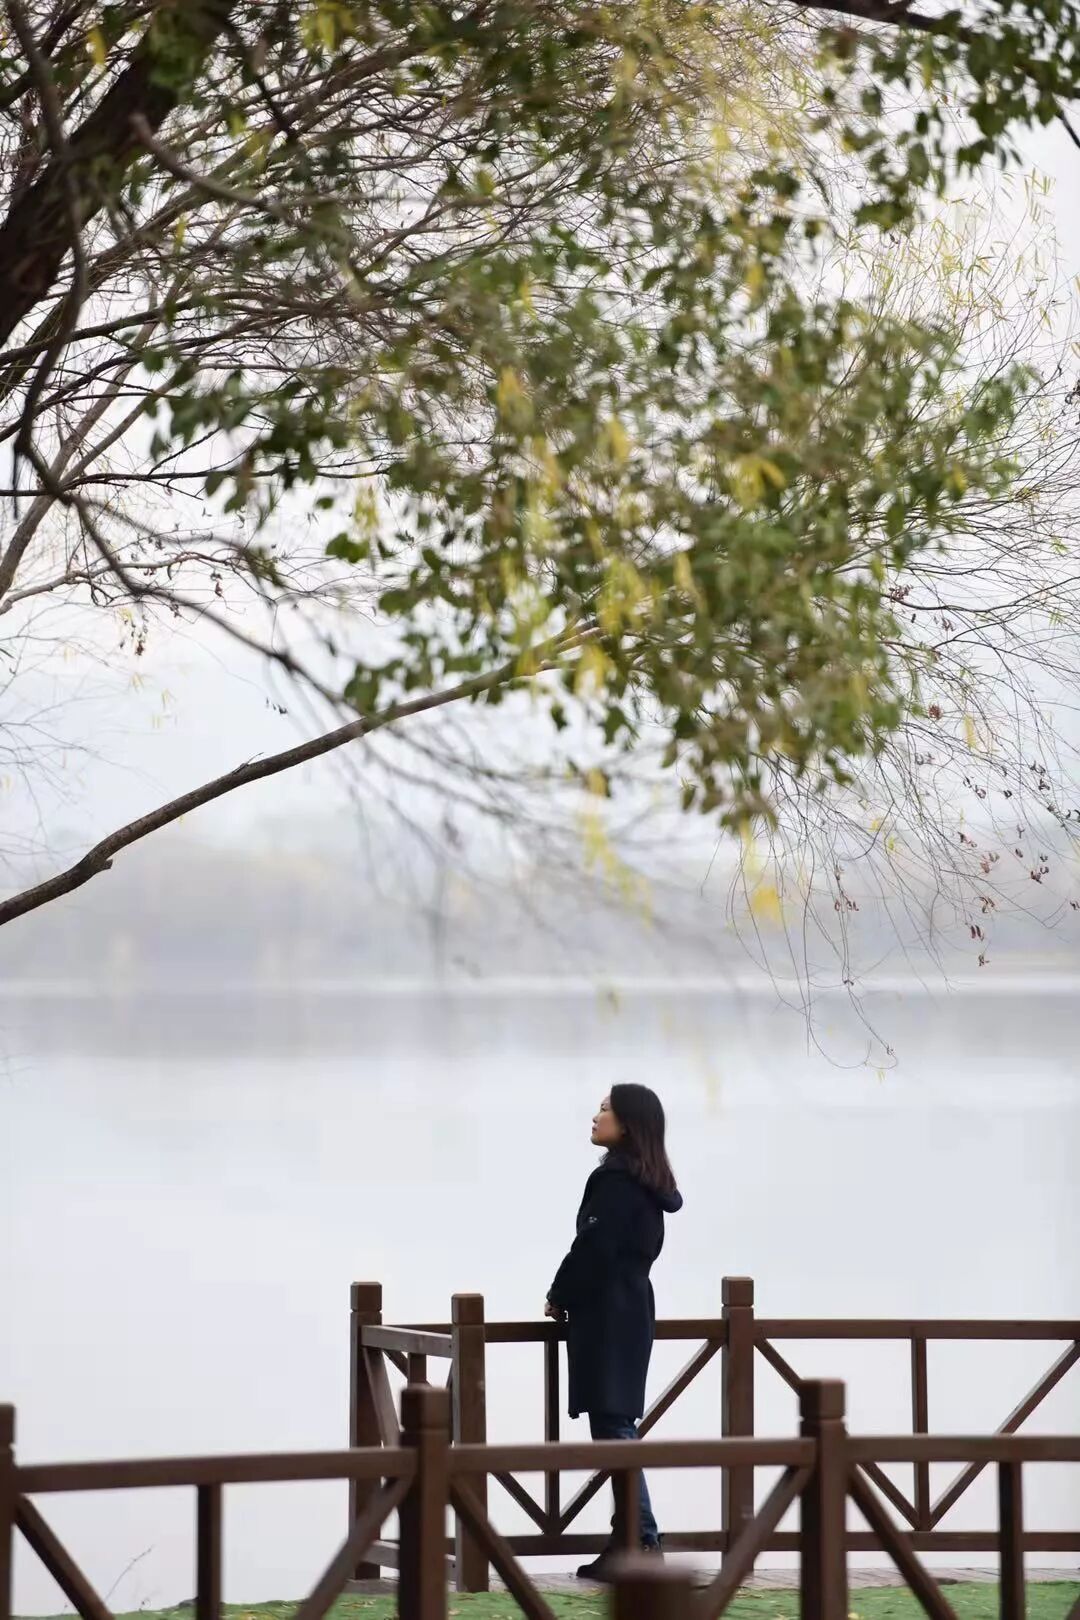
[
  {"x": 8, "y": 1494},
  {"x": 737, "y": 1400},
  {"x": 627, "y": 1522},
  {"x": 366, "y": 1311},
  {"x": 920, "y": 1424},
  {"x": 648, "y": 1589},
  {"x": 1011, "y": 1534},
  {"x": 208, "y": 1552},
  {"x": 469, "y": 1425},
  {"x": 425, "y": 1425},
  {"x": 823, "y": 1553},
  {"x": 552, "y": 1415}
]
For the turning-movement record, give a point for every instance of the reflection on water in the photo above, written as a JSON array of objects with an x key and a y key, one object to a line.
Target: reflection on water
[{"x": 193, "y": 1181}]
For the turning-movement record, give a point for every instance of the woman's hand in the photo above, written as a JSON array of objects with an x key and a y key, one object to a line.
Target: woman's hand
[{"x": 553, "y": 1311}]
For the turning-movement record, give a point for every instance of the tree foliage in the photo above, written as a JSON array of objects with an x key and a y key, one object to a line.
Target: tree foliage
[{"x": 535, "y": 298}]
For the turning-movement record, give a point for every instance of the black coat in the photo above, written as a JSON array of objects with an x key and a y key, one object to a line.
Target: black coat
[{"x": 603, "y": 1286}]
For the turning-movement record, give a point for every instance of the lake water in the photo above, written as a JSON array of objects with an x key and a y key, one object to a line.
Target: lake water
[{"x": 192, "y": 1181}]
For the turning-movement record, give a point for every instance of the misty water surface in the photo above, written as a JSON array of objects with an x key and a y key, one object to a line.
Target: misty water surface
[{"x": 192, "y": 1181}]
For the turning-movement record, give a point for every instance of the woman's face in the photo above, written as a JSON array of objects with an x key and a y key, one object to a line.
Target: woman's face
[{"x": 606, "y": 1130}]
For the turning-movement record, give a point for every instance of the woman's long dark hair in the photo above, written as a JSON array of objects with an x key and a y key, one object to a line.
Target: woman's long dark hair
[{"x": 641, "y": 1114}]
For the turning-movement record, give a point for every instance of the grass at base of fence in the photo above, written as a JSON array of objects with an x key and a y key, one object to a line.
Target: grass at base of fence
[{"x": 1046, "y": 1600}]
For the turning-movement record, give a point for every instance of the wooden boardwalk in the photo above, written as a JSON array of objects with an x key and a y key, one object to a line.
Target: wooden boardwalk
[{"x": 780, "y": 1580}]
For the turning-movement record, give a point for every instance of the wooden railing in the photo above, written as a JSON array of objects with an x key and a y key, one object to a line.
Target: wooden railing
[
  {"x": 424, "y": 1474},
  {"x": 738, "y": 1338}
]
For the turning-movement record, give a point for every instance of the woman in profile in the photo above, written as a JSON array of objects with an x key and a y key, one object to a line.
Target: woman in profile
[{"x": 602, "y": 1288}]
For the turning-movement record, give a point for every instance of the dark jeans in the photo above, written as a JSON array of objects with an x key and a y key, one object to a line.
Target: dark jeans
[{"x": 608, "y": 1426}]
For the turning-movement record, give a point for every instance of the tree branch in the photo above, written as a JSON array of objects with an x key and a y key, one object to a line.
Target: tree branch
[
  {"x": 49, "y": 494},
  {"x": 875, "y": 11},
  {"x": 93, "y": 575},
  {"x": 13, "y": 92},
  {"x": 100, "y": 858}
]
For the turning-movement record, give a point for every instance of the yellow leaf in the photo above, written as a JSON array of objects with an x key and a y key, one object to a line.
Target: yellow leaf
[
  {"x": 765, "y": 903},
  {"x": 514, "y": 404},
  {"x": 592, "y": 669},
  {"x": 626, "y": 71},
  {"x": 257, "y": 141},
  {"x": 616, "y": 441},
  {"x": 622, "y": 595},
  {"x": 366, "y": 513},
  {"x": 95, "y": 41},
  {"x": 552, "y": 478},
  {"x": 180, "y": 231},
  {"x": 749, "y": 475},
  {"x": 684, "y": 575},
  {"x": 971, "y": 735}
]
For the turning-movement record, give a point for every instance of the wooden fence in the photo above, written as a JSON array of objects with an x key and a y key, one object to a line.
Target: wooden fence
[
  {"x": 424, "y": 1475},
  {"x": 740, "y": 1339}
]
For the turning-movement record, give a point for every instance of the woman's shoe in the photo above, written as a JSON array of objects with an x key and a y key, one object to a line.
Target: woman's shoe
[{"x": 601, "y": 1569}]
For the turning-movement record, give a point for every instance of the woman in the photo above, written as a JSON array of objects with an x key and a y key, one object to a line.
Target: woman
[{"x": 602, "y": 1287}]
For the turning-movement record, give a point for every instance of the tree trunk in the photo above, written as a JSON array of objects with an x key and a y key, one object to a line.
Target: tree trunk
[{"x": 36, "y": 235}]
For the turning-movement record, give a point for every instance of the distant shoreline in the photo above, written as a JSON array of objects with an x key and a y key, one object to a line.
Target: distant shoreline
[{"x": 1023, "y": 982}]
